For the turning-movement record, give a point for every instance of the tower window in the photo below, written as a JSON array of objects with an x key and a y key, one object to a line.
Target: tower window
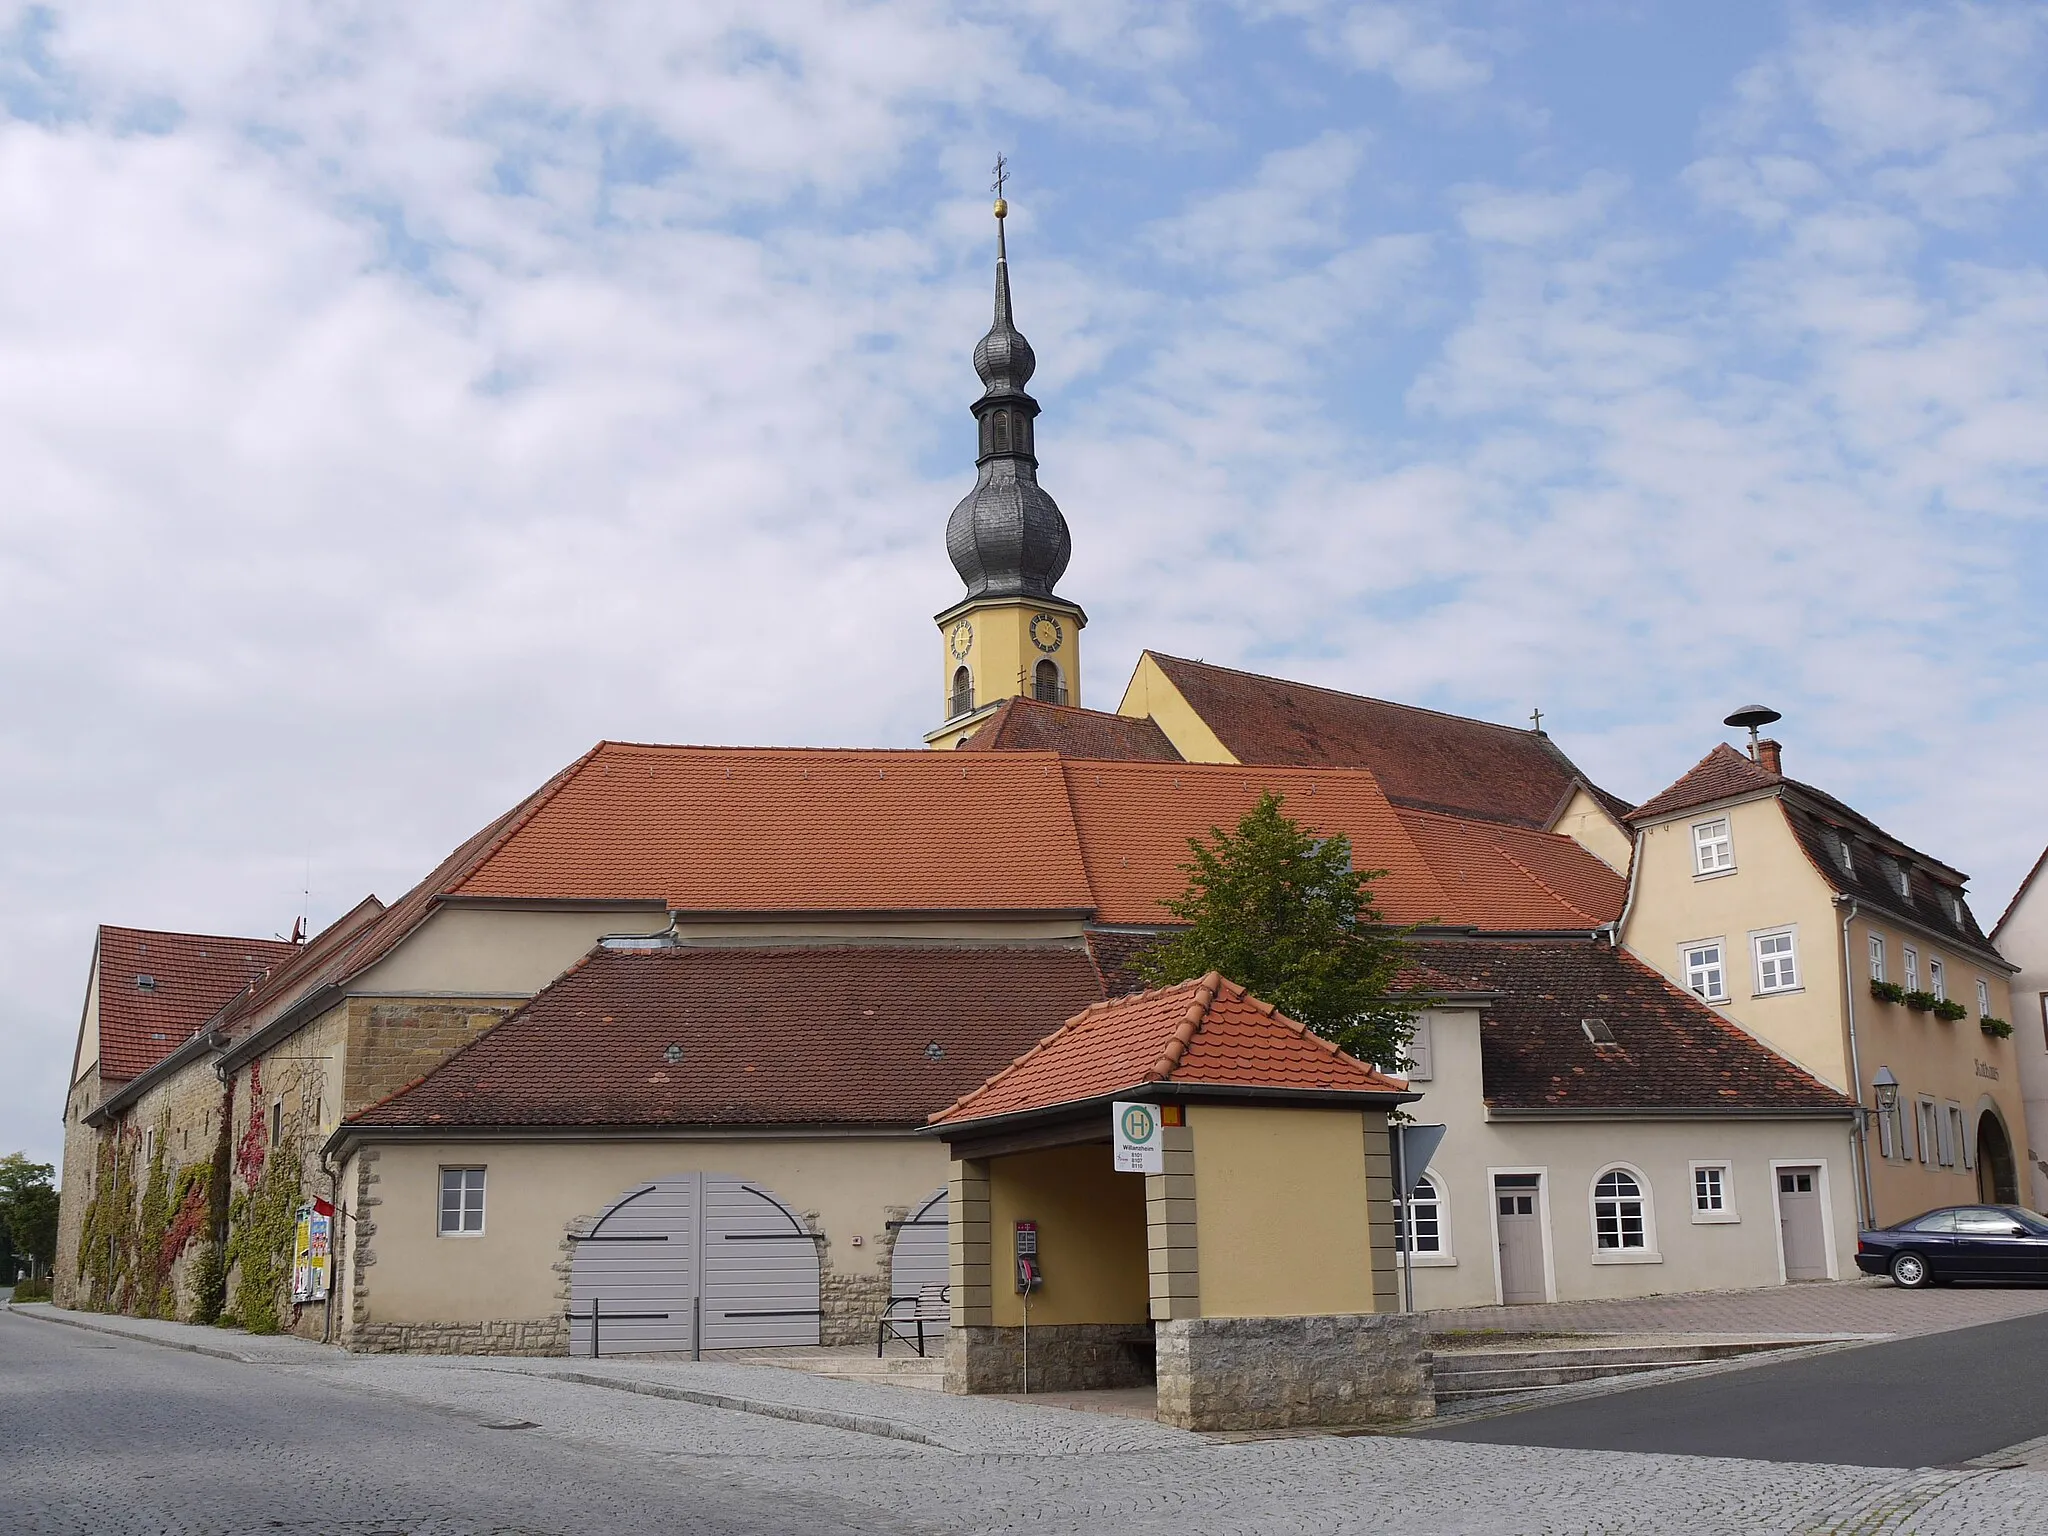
[
  {"x": 1001, "y": 437},
  {"x": 1046, "y": 686},
  {"x": 963, "y": 691}
]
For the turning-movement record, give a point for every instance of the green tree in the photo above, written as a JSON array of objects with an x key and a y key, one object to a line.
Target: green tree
[
  {"x": 28, "y": 1208},
  {"x": 1282, "y": 913}
]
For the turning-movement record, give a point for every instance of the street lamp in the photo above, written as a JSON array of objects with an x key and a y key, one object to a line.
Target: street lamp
[{"x": 1887, "y": 1091}]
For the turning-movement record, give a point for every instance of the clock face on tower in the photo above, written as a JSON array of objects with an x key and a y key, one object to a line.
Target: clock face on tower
[
  {"x": 1046, "y": 633},
  {"x": 960, "y": 638}
]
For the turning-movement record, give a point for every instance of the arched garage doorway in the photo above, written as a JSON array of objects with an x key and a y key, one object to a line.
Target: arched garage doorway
[
  {"x": 919, "y": 1258},
  {"x": 691, "y": 1252},
  {"x": 1998, "y": 1176}
]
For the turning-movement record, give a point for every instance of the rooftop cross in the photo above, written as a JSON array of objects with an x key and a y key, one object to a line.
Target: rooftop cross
[{"x": 1536, "y": 719}]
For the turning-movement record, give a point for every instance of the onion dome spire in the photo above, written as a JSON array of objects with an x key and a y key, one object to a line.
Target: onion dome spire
[{"x": 1007, "y": 537}]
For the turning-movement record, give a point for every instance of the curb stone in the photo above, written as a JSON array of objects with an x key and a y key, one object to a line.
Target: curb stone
[
  {"x": 825, "y": 1418},
  {"x": 36, "y": 1311}
]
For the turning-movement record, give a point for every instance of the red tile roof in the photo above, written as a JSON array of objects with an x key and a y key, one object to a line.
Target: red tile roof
[
  {"x": 769, "y": 1036},
  {"x": 1505, "y": 878},
  {"x": 1026, "y": 725},
  {"x": 761, "y": 829},
  {"x": 1136, "y": 819},
  {"x": 1209, "y": 1032},
  {"x": 1671, "y": 1051},
  {"x": 1422, "y": 758},
  {"x": 156, "y": 989}
]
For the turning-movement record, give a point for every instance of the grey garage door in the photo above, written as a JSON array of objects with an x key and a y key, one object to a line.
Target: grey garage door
[
  {"x": 693, "y": 1247},
  {"x": 919, "y": 1258}
]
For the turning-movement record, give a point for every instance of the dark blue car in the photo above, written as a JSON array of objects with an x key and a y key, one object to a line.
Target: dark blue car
[{"x": 2001, "y": 1244}]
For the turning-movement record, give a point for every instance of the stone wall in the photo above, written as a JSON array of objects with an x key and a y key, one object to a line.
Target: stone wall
[
  {"x": 390, "y": 1043},
  {"x": 1065, "y": 1357},
  {"x": 534, "y": 1336},
  {"x": 1293, "y": 1372},
  {"x": 74, "y": 1186}
]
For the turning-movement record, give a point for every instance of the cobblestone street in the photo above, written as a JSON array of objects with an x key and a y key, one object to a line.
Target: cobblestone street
[{"x": 108, "y": 1434}]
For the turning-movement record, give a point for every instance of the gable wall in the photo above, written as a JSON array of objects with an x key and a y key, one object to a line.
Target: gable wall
[
  {"x": 1586, "y": 822},
  {"x": 2023, "y": 939},
  {"x": 1150, "y": 693}
]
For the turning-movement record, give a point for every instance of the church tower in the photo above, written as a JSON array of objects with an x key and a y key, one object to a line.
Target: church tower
[{"x": 1009, "y": 636}]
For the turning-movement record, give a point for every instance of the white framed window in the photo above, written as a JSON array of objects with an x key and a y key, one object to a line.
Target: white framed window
[
  {"x": 1983, "y": 998},
  {"x": 1777, "y": 964},
  {"x": 462, "y": 1202},
  {"x": 1429, "y": 1224},
  {"x": 1877, "y": 957},
  {"x": 1623, "y": 1229},
  {"x": 1706, "y": 969},
  {"x": 1902, "y": 880},
  {"x": 1843, "y": 856},
  {"x": 1713, "y": 850},
  {"x": 1937, "y": 981},
  {"x": 1912, "y": 968},
  {"x": 1421, "y": 1051},
  {"x": 1713, "y": 1192},
  {"x": 1929, "y": 1116}
]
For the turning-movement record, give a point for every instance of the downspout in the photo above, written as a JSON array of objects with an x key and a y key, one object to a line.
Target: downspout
[
  {"x": 334, "y": 1241},
  {"x": 1868, "y": 1201},
  {"x": 1635, "y": 866}
]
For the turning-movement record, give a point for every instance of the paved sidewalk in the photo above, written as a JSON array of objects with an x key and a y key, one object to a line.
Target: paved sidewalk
[
  {"x": 1861, "y": 1306},
  {"x": 220, "y": 1343}
]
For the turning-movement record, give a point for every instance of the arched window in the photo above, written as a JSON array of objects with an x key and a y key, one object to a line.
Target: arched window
[
  {"x": 963, "y": 691},
  {"x": 1621, "y": 1213},
  {"x": 1045, "y": 684},
  {"x": 1425, "y": 1220},
  {"x": 999, "y": 439}
]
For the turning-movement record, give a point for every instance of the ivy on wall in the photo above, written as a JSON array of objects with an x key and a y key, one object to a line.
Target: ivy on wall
[
  {"x": 263, "y": 1226},
  {"x": 107, "y": 1240}
]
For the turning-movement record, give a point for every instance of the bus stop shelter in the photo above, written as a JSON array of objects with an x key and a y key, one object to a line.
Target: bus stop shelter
[{"x": 1189, "y": 1188}]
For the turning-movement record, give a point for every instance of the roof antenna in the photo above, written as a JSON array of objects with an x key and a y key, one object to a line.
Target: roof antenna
[{"x": 1756, "y": 717}]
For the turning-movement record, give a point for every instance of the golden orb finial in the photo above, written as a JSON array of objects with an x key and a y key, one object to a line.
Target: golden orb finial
[{"x": 1002, "y": 208}]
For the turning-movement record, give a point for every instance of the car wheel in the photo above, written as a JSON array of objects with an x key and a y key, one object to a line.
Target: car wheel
[{"x": 1910, "y": 1272}]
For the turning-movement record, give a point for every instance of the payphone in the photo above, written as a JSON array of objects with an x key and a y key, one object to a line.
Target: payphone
[{"x": 1029, "y": 1276}]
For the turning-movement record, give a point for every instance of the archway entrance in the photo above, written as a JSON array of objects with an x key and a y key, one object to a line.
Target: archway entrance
[{"x": 1998, "y": 1178}]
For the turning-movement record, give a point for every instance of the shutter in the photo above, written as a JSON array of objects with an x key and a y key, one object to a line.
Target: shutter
[{"x": 1420, "y": 1048}]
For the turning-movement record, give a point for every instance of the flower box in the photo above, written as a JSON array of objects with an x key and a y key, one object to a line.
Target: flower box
[
  {"x": 1887, "y": 991},
  {"x": 1920, "y": 1002},
  {"x": 1996, "y": 1028},
  {"x": 1948, "y": 1008}
]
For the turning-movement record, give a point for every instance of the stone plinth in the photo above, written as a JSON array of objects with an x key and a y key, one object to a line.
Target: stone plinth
[
  {"x": 1065, "y": 1357},
  {"x": 1291, "y": 1372}
]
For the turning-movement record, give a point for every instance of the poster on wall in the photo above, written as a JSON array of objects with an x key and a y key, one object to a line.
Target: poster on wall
[{"x": 310, "y": 1252}]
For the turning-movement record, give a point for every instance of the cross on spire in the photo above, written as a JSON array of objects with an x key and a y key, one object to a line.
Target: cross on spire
[
  {"x": 1536, "y": 721},
  {"x": 1002, "y": 175}
]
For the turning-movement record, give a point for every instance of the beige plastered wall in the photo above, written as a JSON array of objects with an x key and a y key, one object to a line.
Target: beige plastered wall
[
  {"x": 498, "y": 951},
  {"x": 2023, "y": 939},
  {"x": 1586, "y": 822},
  {"x": 1003, "y": 658},
  {"x": 1151, "y": 694},
  {"x": 1282, "y": 1211},
  {"x": 1954, "y": 1063},
  {"x": 534, "y": 1190},
  {"x": 1572, "y": 1154},
  {"x": 89, "y": 1023},
  {"x": 1772, "y": 885},
  {"x": 1091, "y": 1236}
]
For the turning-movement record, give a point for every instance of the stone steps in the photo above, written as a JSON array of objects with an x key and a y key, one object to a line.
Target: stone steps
[{"x": 1469, "y": 1375}]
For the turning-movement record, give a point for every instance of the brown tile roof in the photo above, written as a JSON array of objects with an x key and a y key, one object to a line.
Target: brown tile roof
[
  {"x": 1209, "y": 1032},
  {"x": 1135, "y": 821},
  {"x": 1671, "y": 1050},
  {"x": 1722, "y": 774},
  {"x": 769, "y": 1036},
  {"x": 1026, "y": 725},
  {"x": 156, "y": 989},
  {"x": 764, "y": 829},
  {"x": 1422, "y": 758},
  {"x": 1116, "y": 952},
  {"x": 1825, "y": 826}
]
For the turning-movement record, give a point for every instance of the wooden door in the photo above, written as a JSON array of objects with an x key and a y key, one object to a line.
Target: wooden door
[
  {"x": 1800, "y": 1224},
  {"x": 1519, "y": 1223}
]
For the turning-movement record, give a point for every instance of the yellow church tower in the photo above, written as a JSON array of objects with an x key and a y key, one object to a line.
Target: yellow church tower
[{"x": 1009, "y": 636}]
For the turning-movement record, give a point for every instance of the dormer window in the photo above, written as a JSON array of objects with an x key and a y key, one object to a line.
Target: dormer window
[
  {"x": 1955, "y": 908},
  {"x": 1843, "y": 856},
  {"x": 1902, "y": 880},
  {"x": 1713, "y": 849}
]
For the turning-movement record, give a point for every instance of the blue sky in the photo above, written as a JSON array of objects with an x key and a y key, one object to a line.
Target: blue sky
[{"x": 391, "y": 404}]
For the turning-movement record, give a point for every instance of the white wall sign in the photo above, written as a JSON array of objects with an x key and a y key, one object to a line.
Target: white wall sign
[{"x": 1138, "y": 1144}]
